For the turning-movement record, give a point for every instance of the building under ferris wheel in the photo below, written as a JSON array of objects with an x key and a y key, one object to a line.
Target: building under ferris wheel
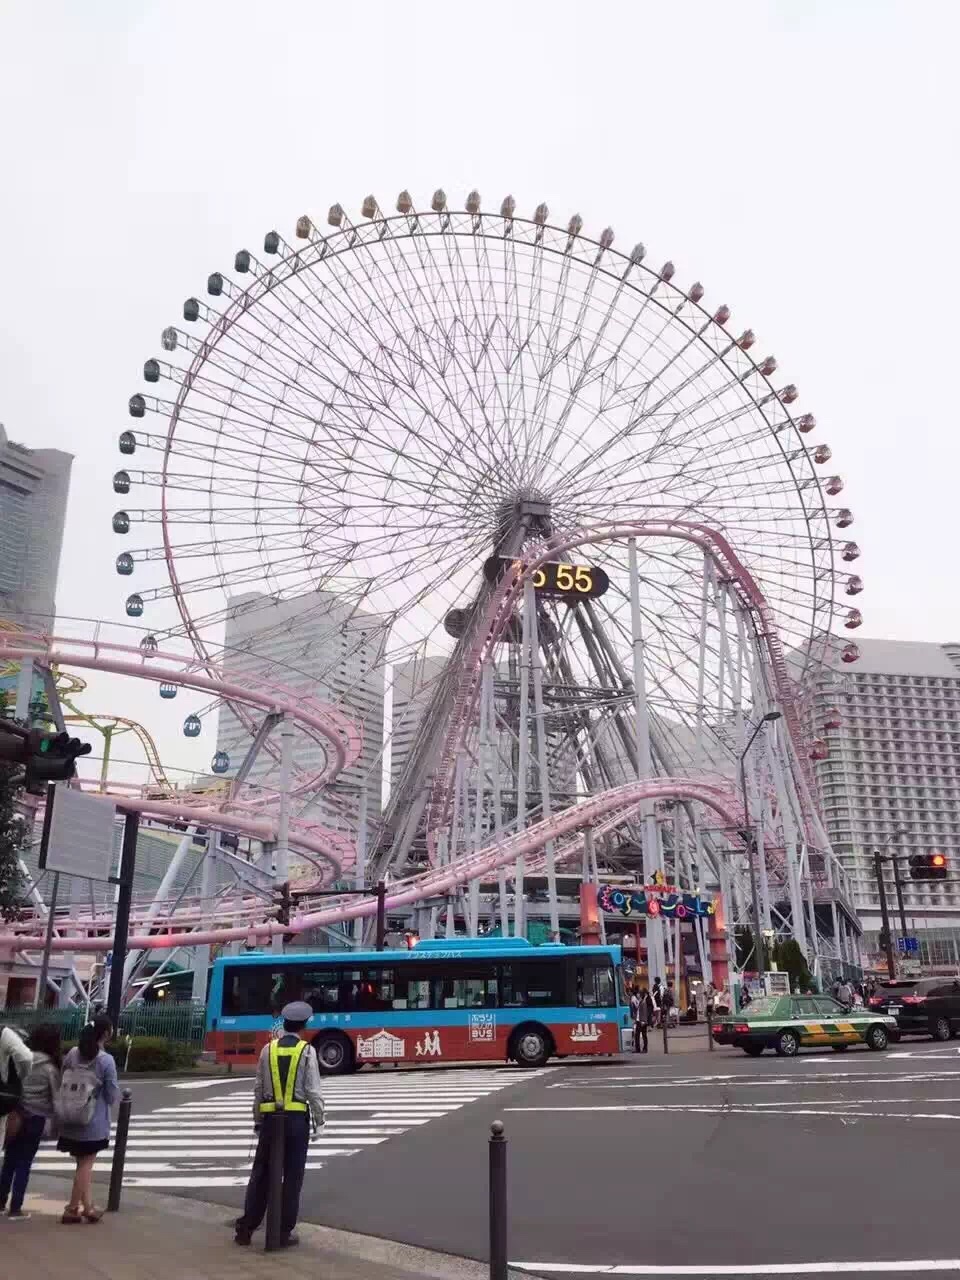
[{"x": 569, "y": 494}]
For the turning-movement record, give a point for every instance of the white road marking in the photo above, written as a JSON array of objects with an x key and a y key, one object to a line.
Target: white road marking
[
  {"x": 209, "y": 1141},
  {"x": 889, "y": 1079},
  {"x": 794, "y": 1109},
  {"x": 748, "y": 1269},
  {"x": 205, "y": 1084}
]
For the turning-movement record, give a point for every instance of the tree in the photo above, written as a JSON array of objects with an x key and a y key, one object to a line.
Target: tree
[
  {"x": 746, "y": 955},
  {"x": 790, "y": 959},
  {"x": 11, "y": 837}
]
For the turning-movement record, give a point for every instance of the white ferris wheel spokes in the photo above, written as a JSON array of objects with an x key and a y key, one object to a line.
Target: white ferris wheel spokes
[{"x": 367, "y": 417}]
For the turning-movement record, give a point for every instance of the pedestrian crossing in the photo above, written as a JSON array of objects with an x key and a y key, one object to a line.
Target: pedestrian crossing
[{"x": 208, "y": 1141}]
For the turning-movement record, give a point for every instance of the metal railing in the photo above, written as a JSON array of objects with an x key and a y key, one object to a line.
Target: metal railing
[{"x": 182, "y": 1023}]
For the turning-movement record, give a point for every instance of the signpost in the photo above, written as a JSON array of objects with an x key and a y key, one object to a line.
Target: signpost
[{"x": 77, "y": 840}]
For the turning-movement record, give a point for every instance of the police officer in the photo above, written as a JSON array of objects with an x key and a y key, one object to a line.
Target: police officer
[{"x": 288, "y": 1080}]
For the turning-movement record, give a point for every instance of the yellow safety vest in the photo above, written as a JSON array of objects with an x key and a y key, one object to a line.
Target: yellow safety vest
[{"x": 283, "y": 1098}]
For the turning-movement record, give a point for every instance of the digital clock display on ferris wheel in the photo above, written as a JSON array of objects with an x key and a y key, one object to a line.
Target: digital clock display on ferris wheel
[{"x": 571, "y": 581}]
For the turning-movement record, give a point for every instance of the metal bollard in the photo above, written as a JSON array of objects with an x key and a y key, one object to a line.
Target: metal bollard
[
  {"x": 665, "y": 1018},
  {"x": 275, "y": 1140},
  {"x": 498, "y": 1202},
  {"x": 710, "y": 1032},
  {"x": 119, "y": 1152}
]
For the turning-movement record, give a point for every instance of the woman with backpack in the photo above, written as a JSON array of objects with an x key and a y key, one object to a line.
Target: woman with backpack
[
  {"x": 33, "y": 1118},
  {"x": 15, "y": 1063},
  {"x": 88, "y": 1089}
]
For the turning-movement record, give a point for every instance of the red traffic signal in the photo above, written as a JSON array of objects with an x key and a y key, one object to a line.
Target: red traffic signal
[{"x": 929, "y": 866}]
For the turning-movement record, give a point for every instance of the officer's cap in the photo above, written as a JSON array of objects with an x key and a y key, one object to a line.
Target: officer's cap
[{"x": 297, "y": 1011}]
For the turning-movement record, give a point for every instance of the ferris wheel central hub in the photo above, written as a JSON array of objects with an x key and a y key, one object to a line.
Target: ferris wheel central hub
[{"x": 526, "y": 513}]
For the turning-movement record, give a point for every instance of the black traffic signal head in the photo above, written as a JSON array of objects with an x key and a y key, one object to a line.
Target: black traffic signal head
[
  {"x": 928, "y": 866},
  {"x": 51, "y": 758}
]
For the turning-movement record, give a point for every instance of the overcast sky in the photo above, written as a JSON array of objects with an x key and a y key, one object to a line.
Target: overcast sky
[{"x": 798, "y": 158}]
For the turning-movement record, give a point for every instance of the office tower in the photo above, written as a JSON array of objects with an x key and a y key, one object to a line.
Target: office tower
[
  {"x": 33, "y": 501},
  {"x": 326, "y": 649},
  {"x": 891, "y": 780}
]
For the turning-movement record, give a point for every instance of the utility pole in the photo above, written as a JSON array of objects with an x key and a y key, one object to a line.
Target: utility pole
[{"x": 884, "y": 913}]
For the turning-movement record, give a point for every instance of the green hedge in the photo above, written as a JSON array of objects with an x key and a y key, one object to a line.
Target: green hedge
[{"x": 150, "y": 1053}]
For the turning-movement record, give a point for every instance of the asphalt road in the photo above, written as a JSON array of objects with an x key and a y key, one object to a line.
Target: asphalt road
[{"x": 695, "y": 1164}]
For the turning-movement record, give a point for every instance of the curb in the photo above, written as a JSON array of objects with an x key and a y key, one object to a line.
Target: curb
[{"x": 425, "y": 1264}]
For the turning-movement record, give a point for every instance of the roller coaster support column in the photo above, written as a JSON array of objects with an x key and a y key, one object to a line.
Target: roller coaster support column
[
  {"x": 208, "y": 888},
  {"x": 656, "y": 956},
  {"x": 281, "y": 856},
  {"x": 543, "y": 769},
  {"x": 359, "y": 878}
]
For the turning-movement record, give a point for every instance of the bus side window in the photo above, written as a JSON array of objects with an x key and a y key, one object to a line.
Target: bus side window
[
  {"x": 321, "y": 990},
  {"x": 351, "y": 995},
  {"x": 412, "y": 988},
  {"x": 377, "y": 990},
  {"x": 246, "y": 991},
  {"x": 510, "y": 998},
  {"x": 531, "y": 983},
  {"x": 287, "y": 985}
]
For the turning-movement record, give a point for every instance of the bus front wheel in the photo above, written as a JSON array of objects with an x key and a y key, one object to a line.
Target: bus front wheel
[
  {"x": 531, "y": 1046},
  {"x": 334, "y": 1054}
]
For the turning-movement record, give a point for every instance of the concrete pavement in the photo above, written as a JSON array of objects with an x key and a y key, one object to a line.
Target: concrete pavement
[
  {"x": 697, "y": 1163},
  {"x": 154, "y": 1237}
]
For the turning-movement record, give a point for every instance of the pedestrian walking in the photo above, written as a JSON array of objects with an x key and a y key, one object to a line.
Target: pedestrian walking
[
  {"x": 88, "y": 1089},
  {"x": 288, "y": 1080},
  {"x": 844, "y": 993},
  {"x": 634, "y": 1006},
  {"x": 656, "y": 994},
  {"x": 33, "y": 1119},
  {"x": 643, "y": 1017},
  {"x": 668, "y": 1003}
]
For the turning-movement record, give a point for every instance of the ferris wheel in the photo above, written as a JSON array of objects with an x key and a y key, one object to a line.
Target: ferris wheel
[{"x": 569, "y": 505}]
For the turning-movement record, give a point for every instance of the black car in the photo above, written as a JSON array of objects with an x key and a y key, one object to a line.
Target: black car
[{"x": 921, "y": 1006}]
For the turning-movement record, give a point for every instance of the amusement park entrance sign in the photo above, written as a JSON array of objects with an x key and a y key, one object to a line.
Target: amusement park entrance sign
[
  {"x": 658, "y": 899},
  {"x": 78, "y": 834}
]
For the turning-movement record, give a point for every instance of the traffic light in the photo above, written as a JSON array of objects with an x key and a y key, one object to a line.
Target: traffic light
[
  {"x": 45, "y": 757},
  {"x": 928, "y": 866}
]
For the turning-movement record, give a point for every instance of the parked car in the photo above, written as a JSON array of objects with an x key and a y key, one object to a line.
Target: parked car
[
  {"x": 789, "y": 1023},
  {"x": 921, "y": 1006}
]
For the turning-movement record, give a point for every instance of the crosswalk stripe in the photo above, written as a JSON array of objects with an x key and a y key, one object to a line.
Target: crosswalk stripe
[{"x": 209, "y": 1141}]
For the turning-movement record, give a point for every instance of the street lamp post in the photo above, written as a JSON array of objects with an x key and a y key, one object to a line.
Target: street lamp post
[{"x": 752, "y": 848}]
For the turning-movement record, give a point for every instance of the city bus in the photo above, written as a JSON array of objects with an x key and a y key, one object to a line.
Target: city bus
[{"x": 457, "y": 1000}]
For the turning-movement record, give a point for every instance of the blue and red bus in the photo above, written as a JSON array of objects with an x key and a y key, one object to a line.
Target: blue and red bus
[{"x": 455, "y": 1000}]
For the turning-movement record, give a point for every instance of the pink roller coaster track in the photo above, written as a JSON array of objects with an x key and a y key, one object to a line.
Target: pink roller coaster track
[
  {"x": 340, "y": 735},
  {"x": 345, "y": 744},
  {"x": 438, "y": 881}
]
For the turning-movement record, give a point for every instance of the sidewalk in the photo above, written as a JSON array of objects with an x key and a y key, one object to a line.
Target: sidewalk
[
  {"x": 688, "y": 1039},
  {"x": 155, "y": 1237}
]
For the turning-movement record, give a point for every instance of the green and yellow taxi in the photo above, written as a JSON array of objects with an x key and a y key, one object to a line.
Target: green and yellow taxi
[{"x": 788, "y": 1024}]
